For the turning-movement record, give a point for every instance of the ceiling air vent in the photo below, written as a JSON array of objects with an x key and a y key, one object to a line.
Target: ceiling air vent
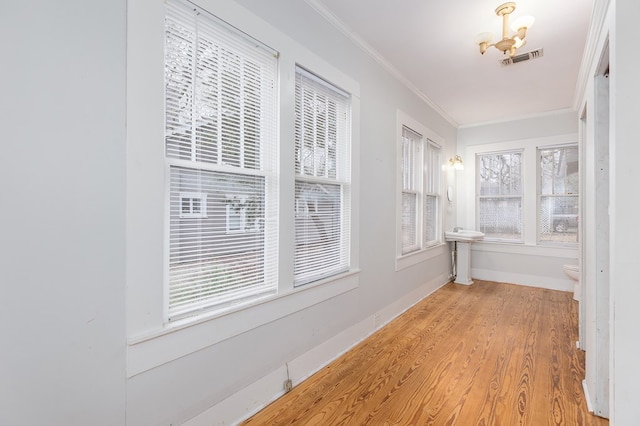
[{"x": 522, "y": 57}]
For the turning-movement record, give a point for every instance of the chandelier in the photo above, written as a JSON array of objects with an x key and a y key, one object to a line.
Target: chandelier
[{"x": 507, "y": 43}]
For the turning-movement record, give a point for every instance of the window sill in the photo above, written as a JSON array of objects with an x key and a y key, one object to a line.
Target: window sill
[
  {"x": 420, "y": 256},
  {"x": 184, "y": 337}
]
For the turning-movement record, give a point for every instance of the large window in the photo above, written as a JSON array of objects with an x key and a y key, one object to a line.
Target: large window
[
  {"x": 322, "y": 186},
  {"x": 220, "y": 140},
  {"x": 558, "y": 192},
  {"x": 421, "y": 171},
  {"x": 499, "y": 195}
]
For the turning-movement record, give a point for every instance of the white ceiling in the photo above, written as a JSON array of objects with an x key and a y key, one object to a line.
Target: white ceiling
[{"x": 429, "y": 43}]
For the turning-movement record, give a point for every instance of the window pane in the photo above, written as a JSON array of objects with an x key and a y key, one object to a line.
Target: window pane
[
  {"x": 207, "y": 265},
  {"x": 559, "y": 171},
  {"x": 409, "y": 222},
  {"x": 431, "y": 221},
  {"x": 559, "y": 219},
  {"x": 501, "y": 218},
  {"x": 500, "y": 174},
  {"x": 559, "y": 202},
  {"x": 322, "y": 190},
  {"x": 320, "y": 247},
  {"x": 220, "y": 99}
]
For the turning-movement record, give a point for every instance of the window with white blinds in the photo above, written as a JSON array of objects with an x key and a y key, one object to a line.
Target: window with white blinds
[
  {"x": 432, "y": 194},
  {"x": 411, "y": 189},
  {"x": 420, "y": 191},
  {"x": 322, "y": 183},
  {"x": 221, "y": 147},
  {"x": 500, "y": 205}
]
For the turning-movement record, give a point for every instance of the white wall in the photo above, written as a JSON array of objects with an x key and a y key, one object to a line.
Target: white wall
[
  {"x": 625, "y": 175},
  {"x": 527, "y": 263},
  {"x": 62, "y": 201},
  {"x": 236, "y": 375}
]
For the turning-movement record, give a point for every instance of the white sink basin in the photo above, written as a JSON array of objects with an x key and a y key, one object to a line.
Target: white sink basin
[{"x": 463, "y": 235}]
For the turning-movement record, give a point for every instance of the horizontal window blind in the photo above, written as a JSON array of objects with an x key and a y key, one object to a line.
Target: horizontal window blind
[
  {"x": 411, "y": 189},
  {"x": 432, "y": 194},
  {"x": 322, "y": 187},
  {"x": 220, "y": 141}
]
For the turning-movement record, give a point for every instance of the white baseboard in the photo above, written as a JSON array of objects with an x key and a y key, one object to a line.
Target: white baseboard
[
  {"x": 587, "y": 398},
  {"x": 259, "y": 394},
  {"x": 549, "y": 283}
]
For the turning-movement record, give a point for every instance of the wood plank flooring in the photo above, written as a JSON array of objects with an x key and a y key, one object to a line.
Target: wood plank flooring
[{"x": 487, "y": 354}]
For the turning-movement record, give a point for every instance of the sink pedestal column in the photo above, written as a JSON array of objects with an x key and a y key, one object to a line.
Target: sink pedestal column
[{"x": 463, "y": 264}]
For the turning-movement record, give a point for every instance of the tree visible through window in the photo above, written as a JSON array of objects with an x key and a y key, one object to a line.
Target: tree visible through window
[
  {"x": 220, "y": 139},
  {"x": 559, "y": 200},
  {"x": 499, "y": 180},
  {"x": 322, "y": 184}
]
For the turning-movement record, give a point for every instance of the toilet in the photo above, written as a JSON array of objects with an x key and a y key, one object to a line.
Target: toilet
[{"x": 573, "y": 272}]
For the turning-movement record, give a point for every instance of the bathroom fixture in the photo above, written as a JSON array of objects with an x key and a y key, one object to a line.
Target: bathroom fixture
[
  {"x": 462, "y": 240},
  {"x": 456, "y": 162},
  {"x": 463, "y": 235},
  {"x": 573, "y": 272},
  {"x": 506, "y": 44}
]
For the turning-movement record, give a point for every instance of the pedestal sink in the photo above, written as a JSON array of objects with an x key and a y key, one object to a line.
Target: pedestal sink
[{"x": 462, "y": 240}]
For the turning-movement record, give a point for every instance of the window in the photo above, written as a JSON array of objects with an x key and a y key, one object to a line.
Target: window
[
  {"x": 220, "y": 139},
  {"x": 432, "y": 194},
  {"x": 420, "y": 224},
  {"x": 411, "y": 189},
  {"x": 322, "y": 183},
  {"x": 558, "y": 192},
  {"x": 193, "y": 205},
  {"x": 500, "y": 201}
]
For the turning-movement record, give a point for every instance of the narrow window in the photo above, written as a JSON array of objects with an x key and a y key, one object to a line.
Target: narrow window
[
  {"x": 322, "y": 182},
  {"x": 559, "y": 198},
  {"x": 220, "y": 139},
  {"x": 432, "y": 194},
  {"x": 499, "y": 195},
  {"x": 411, "y": 189}
]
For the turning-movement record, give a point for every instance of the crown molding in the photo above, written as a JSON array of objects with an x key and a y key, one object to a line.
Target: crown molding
[{"x": 375, "y": 55}]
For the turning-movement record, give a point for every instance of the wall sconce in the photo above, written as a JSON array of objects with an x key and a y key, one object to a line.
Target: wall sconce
[{"x": 456, "y": 162}]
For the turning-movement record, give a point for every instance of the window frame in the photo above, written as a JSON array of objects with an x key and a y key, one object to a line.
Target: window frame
[
  {"x": 332, "y": 169},
  {"x": 521, "y": 197},
  {"x": 152, "y": 341},
  {"x": 539, "y": 195},
  {"x": 467, "y": 191},
  {"x": 425, "y": 249}
]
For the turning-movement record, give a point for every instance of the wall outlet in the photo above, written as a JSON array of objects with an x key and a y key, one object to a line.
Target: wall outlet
[
  {"x": 376, "y": 321},
  {"x": 288, "y": 385}
]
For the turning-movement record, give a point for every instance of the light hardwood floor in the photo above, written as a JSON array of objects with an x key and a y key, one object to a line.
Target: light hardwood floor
[{"x": 487, "y": 354}]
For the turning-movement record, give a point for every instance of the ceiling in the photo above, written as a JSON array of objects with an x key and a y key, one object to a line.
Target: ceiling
[{"x": 429, "y": 44}]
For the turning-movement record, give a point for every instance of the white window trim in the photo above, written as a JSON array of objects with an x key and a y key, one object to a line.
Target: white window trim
[
  {"x": 468, "y": 217},
  {"x": 478, "y": 197},
  {"x": 152, "y": 340},
  {"x": 438, "y": 247},
  {"x": 541, "y": 242}
]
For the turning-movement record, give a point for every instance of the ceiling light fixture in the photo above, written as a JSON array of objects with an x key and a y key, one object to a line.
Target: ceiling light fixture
[
  {"x": 456, "y": 162},
  {"x": 507, "y": 44}
]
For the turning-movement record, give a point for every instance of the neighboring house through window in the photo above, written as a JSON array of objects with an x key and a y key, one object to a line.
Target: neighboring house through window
[{"x": 220, "y": 137}]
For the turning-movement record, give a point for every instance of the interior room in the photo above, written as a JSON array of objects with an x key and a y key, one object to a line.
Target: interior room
[{"x": 317, "y": 161}]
